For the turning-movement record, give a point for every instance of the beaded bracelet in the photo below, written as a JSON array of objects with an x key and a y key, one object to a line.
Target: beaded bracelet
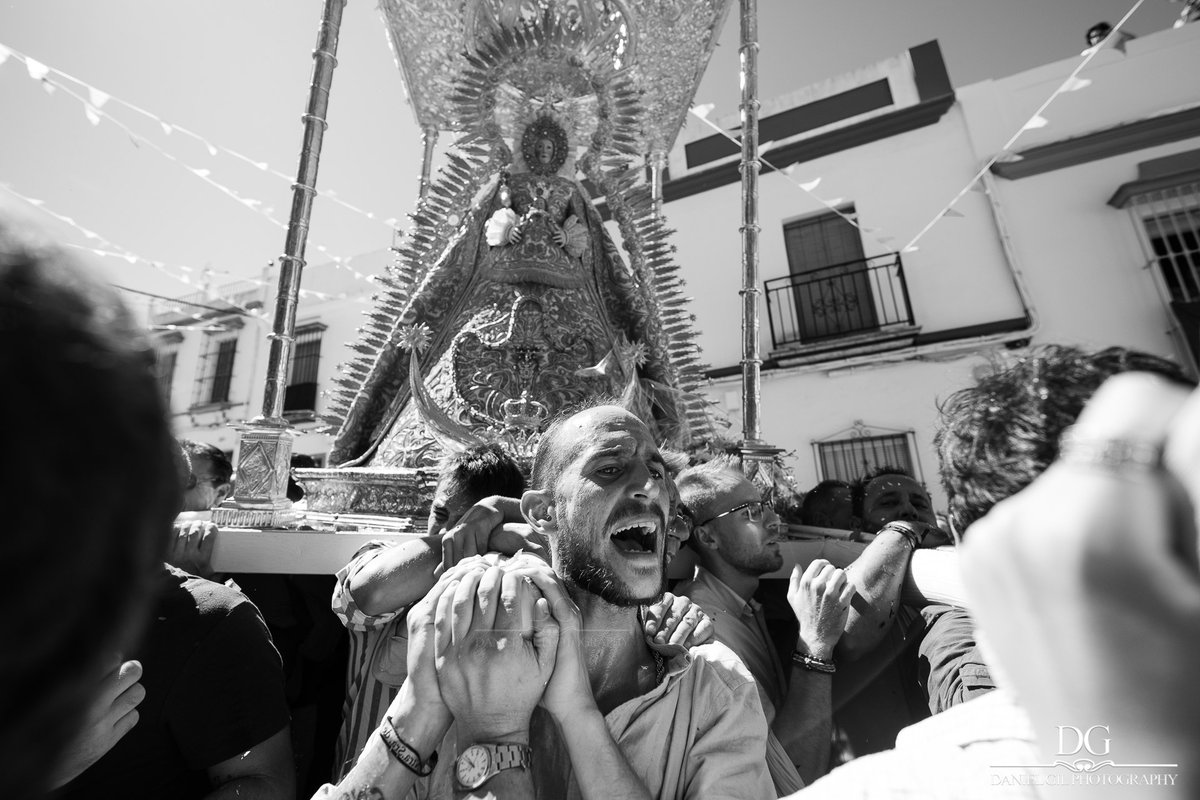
[
  {"x": 403, "y": 752},
  {"x": 813, "y": 663}
]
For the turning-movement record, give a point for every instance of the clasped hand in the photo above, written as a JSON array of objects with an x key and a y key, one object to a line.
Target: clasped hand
[
  {"x": 484, "y": 643},
  {"x": 820, "y": 599}
]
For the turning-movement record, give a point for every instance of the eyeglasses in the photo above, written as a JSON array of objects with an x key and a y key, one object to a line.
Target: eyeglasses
[
  {"x": 193, "y": 481},
  {"x": 756, "y": 511}
]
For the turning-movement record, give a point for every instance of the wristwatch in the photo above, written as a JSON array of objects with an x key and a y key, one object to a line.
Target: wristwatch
[{"x": 480, "y": 762}]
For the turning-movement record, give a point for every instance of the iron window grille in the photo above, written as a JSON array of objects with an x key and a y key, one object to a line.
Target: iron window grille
[
  {"x": 301, "y": 393},
  {"x": 850, "y": 457}
]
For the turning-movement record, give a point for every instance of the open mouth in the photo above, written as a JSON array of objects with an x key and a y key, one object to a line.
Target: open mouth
[{"x": 637, "y": 537}]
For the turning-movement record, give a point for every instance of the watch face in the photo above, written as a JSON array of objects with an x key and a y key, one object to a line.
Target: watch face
[{"x": 473, "y": 767}]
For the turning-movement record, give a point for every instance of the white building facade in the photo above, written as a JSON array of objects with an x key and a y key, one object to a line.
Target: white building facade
[
  {"x": 1084, "y": 233},
  {"x": 212, "y": 351}
]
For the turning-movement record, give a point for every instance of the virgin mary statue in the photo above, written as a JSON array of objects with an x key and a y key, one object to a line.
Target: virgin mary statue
[
  {"x": 510, "y": 301},
  {"x": 530, "y": 310}
]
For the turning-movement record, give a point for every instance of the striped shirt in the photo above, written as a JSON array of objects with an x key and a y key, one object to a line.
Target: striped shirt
[{"x": 377, "y": 666}]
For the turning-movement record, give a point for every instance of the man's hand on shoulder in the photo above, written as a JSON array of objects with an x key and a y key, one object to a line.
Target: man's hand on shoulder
[
  {"x": 472, "y": 535},
  {"x": 676, "y": 620}
]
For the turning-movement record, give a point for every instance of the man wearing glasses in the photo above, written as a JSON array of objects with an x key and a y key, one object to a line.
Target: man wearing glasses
[{"x": 736, "y": 537}]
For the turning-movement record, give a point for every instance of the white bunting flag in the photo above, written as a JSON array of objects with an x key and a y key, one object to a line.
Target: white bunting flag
[{"x": 37, "y": 70}]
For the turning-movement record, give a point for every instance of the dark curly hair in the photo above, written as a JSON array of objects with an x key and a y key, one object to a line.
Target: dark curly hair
[{"x": 996, "y": 437}]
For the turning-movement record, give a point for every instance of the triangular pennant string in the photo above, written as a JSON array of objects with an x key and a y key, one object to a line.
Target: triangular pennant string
[
  {"x": 1035, "y": 121},
  {"x": 807, "y": 188},
  {"x": 97, "y": 98}
]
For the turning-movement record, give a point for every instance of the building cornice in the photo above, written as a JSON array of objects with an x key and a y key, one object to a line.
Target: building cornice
[
  {"x": 1115, "y": 141},
  {"x": 882, "y": 127}
]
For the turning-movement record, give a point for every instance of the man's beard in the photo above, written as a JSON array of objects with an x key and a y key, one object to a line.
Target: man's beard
[
  {"x": 584, "y": 569},
  {"x": 757, "y": 563}
]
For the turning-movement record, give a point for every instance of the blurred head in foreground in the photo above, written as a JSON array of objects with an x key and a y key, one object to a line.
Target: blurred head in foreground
[{"x": 89, "y": 494}]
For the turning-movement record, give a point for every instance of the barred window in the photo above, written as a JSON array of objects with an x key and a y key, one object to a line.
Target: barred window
[
  {"x": 850, "y": 459},
  {"x": 1165, "y": 205},
  {"x": 216, "y": 371},
  {"x": 301, "y": 394}
]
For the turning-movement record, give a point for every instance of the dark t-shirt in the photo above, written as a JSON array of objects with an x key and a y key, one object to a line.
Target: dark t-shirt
[{"x": 214, "y": 689}]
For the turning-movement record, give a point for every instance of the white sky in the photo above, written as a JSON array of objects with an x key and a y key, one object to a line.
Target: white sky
[{"x": 237, "y": 72}]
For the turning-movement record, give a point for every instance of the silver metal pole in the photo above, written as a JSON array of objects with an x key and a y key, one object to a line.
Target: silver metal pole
[
  {"x": 751, "y": 363},
  {"x": 265, "y": 443},
  {"x": 303, "y": 191}
]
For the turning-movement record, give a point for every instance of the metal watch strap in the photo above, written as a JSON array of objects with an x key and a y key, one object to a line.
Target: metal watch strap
[{"x": 508, "y": 756}]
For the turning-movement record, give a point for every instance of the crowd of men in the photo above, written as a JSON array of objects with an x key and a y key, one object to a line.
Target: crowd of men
[{"x": 527, "y": 645}]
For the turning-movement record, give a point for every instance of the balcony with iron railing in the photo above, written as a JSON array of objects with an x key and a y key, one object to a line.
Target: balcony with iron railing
[{"x": 855, "y": 304}]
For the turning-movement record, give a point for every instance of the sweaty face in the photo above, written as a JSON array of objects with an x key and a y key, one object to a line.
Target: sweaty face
[
  {"x": 748, "y": 546},
  {"x": 895, "y": 497},
  {"x": 610, "y": 508},
  {"x": 450, "y": 502},
  {"x": 545, "y": 151}
]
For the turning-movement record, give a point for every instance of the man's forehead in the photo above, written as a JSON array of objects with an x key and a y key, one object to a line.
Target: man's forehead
[
  {"x": 606, "y": 428},
  {"x": 894, "y": 483}
]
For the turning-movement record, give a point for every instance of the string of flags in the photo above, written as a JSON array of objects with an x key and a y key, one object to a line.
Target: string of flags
[
  {"x": 97, "y": 98},
  {"x": 1072, "y": 83},
  {"x": 191, "y": 276},
  {"x": 93, "y": 109},
  {"x": 701, "y": 113}
]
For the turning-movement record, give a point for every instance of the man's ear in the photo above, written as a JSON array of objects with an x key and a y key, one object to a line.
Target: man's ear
[
  {"x": 705, "y": 538},
  {"x": 223, "y": 491},
  {"x": 538, "y": 509}
]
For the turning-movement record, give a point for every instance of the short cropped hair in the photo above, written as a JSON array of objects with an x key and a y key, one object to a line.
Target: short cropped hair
[
  {"x": 89, "y": 493},
  {"x": 222, "y": 468},
  {"x": 482, "y": 471},
  {"x": 702, "y": 487},
  {"x": 996, "y": 437}
]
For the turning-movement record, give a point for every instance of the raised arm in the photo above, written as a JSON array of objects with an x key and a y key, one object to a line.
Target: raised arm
[
  {"x": 820, "y": 599},
  {"x": 401, "y": 575},
  {"x": 878, "y": 576}
]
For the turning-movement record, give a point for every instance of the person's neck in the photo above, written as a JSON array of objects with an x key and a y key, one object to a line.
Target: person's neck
[
  {"x": 743, "y": 584},
  {"x": 619, "y": 663}
]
